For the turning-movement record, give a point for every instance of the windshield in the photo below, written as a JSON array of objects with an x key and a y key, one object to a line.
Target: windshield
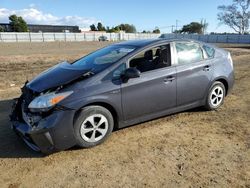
[{"x": 103, "y": 58}]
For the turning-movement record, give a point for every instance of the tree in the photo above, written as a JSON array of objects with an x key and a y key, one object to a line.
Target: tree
[
  {"x": 113, "y": 29},
  {"x": 18, "y": 24},
  {"x": 177, "y": 31},
  {"x": 193, "y": 27},
  {"x": 122, "y": 27},
  {"x": 127, "y": 28},
  {"x": 156, "y": 30},
  {"x": 22, "y": 25},
  {"x": 100, "y": 27},
  {"x": 236, "y": 15},
  {"x": 92, "y": 27}
]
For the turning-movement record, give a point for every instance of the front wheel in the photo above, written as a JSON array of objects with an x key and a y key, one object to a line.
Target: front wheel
[
  {"x": 215, "y": 96},
  {"x": 92, "y": 126}
]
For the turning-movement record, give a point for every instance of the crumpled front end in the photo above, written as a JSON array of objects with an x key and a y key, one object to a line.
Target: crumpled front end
[{"x": 46, "y": 131}]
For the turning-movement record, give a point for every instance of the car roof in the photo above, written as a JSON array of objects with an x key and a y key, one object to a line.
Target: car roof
[{"x": 146, "y": 42}]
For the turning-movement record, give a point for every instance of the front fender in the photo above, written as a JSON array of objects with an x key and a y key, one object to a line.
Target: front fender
[{"x": 112, "y": 99}]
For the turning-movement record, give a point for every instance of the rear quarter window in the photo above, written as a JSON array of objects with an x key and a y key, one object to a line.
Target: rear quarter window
[{"x": 209, "y": 51}]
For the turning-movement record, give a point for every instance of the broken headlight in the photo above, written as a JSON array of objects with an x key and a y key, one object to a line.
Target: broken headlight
[{"x": 47, "y": 101}]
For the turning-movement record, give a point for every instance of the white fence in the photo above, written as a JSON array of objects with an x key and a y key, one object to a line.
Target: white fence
[
  {"x": 94, "y": 36},
  {"x": 240, "y": 39},
  {"x": 50, "y": 37}
]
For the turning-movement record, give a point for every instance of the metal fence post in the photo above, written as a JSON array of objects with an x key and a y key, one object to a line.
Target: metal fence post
[
  {"x": 42, "y": 36},
  {"x": 30, "y": 36},
  {"x": 65, "y": 37},
  {"x": 1, "y": 37},
  {"x": 16, "y": 37},
  {"x": 75, "y": 36}
]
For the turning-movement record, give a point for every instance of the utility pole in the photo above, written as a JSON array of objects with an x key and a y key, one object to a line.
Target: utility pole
[
  {"x": 172, "y": 28},
  {"x": 204, "y": 25},
  {"x": 176, "y": 25}
]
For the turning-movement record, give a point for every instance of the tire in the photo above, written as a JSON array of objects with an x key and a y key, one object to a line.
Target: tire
[
  {"x": 216, "y": 96},
  {"x": 89, "y": 135}
]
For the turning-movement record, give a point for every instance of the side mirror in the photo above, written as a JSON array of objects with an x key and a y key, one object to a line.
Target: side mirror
[{"x": 129, "y": 73}]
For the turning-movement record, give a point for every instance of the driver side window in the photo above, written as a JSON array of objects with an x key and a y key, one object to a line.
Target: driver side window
[{"x": 151, "y": 59}]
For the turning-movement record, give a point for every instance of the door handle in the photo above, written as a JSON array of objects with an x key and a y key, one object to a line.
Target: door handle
[
  {"x": 206, "y": 68},
  {"x": 169, "y": 79}
]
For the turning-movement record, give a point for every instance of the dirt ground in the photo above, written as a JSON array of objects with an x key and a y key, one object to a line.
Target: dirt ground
[{"x": 189, "y": 149}]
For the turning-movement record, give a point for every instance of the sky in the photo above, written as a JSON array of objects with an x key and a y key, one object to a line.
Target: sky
[{"x": 145, "y": 15}]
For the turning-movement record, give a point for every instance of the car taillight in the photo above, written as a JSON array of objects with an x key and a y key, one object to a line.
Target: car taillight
[{"x": 230, "y": 59}]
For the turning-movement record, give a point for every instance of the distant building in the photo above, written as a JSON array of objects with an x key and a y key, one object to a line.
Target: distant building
[
  {"x": 45, "y": 28},
  {"x": 84, "y": 29},
  {"x": 6, "y": 27}
]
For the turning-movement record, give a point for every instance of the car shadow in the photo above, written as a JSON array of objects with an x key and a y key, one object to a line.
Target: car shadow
[
  {"x": 197, "y": 109},
  {"x": 11, "y": 146}
]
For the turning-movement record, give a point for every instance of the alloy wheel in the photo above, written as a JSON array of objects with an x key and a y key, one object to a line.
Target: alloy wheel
[
  {"x": 94, "y": 128},
  {"x": 216, "y": 96}
]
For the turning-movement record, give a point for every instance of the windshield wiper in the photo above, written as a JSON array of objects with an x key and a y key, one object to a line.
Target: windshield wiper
[{"x": 89, "y": 73}]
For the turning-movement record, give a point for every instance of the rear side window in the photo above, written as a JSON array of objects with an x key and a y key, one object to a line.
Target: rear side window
[
  {"x": 210, "y": 51},
  {"x": 188, "y": 52}
]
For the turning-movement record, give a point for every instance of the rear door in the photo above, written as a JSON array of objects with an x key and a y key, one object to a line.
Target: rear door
[{"x": 194, "y": 73}]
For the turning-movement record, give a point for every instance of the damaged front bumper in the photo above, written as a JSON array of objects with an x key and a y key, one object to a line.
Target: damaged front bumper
[{"x": 49, "y": 134}]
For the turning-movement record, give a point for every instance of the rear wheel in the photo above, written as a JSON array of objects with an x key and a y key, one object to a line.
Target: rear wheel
[
  {"x": 215, "y": 96},
  {"x": 92, "y": 126}
]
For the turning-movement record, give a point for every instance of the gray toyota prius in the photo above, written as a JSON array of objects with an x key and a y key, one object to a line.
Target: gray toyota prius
[{"x": 81, "y": 103}]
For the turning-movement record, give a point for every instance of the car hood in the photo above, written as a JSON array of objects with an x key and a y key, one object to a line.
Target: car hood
[{"x": 56, "y": 76}]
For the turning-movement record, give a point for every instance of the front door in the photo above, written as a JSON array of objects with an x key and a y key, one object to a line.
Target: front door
[{"x": 155, "y": 89}]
